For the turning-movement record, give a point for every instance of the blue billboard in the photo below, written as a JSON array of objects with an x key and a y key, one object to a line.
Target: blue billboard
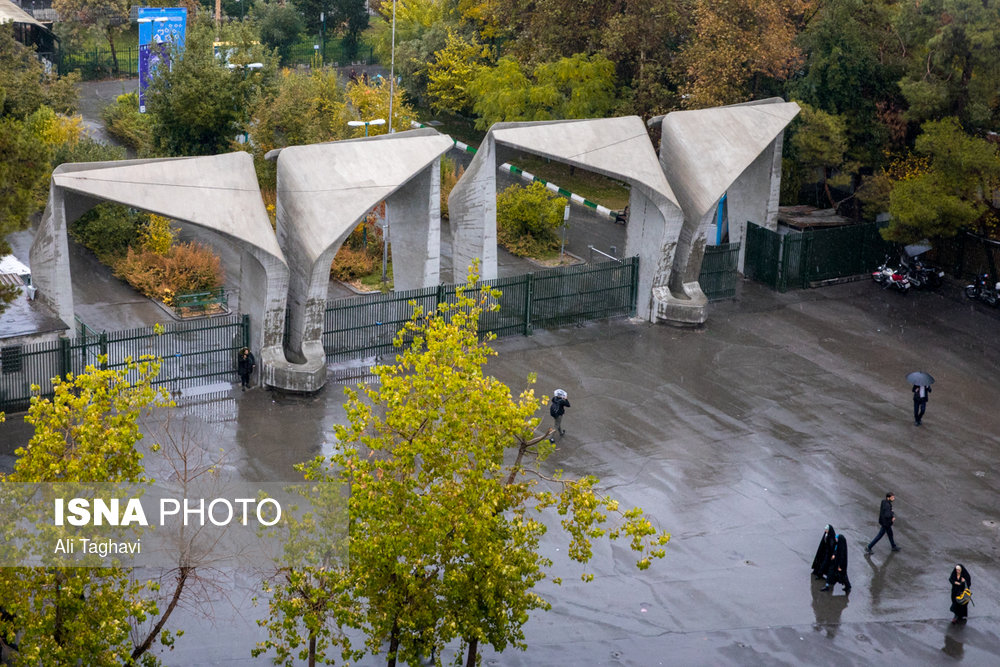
[{"x": 160, "y": 30}]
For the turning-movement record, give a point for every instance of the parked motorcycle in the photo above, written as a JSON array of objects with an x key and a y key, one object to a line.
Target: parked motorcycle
[
  {"x": 922, "y": 275},
  {"x": 984, "y": 290},
  {"x": 888, "y": 277}
]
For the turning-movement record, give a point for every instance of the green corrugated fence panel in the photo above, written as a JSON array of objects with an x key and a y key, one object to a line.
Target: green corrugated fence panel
[
  {"x": 763, "y": 254},
  {"x": 719, "y": 271},
  {"x": 366, "y": 326}
]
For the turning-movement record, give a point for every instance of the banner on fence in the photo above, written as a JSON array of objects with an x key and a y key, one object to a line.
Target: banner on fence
[{"x": 160, "y": 28}]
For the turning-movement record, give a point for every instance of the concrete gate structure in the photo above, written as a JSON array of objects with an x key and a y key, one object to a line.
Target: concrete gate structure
[
  {"x": 324, "y": 191},
  {"x": 704, "y": 155},
  {"x": 733, "y": 151},
  {"x": 217, "y": 192},
  {"x": 618, "y": 148}
]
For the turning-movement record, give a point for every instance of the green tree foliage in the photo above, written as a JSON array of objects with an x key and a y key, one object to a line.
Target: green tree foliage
[
  {"x": 736, "y": 47},
  {"x": 817, "y": 144},
  {"x": 449, "y": 75},
  {"x": 853, "y": 62},
  {"x": 953, "y": 60},
  {"x": 529, "y": 219},
  {"x": 87, "y": 432},
  {"x": 957, "y": 190},
  {"x": 344, "y": 17},
  {"x": 367, "y": 101},
  {"x": 280, "y": 26},
  {"x": 573, "y": 87},
  {"x": 444, "y": 520},
  {"x": 25, "y": 154},
  {"x": 305, "y": 108},
  {"x": 200, "y": 104},
  {"x": 108, "y": 230},
  {"x": 108, "y": 16}
]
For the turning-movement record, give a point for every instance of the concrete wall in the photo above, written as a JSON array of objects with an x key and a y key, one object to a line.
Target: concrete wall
[{"x": 472, "y": 214}]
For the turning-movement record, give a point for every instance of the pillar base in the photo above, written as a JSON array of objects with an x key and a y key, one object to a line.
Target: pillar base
[
  {"x": 680, "y": 312},
  {"x": 306, "y": 377}
]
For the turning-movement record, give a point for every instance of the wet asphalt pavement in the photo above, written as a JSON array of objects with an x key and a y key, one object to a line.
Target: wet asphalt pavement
[{"x": 742, "y": 438}]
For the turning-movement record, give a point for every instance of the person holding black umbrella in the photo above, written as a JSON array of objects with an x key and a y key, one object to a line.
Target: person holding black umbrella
[{"x": 921, "y": 392}]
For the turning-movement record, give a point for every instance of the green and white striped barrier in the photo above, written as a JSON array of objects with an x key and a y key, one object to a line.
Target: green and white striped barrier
[{"x": 517, "y": 171}]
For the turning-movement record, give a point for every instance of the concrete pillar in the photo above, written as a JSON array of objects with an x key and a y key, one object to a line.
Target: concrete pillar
[
  {"x": 472, "y": 215},
  {"x": 414, "y": 213},
  {"x": 49, "y": 258}
]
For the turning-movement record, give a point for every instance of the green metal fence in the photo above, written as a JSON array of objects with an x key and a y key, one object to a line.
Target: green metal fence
[
  {"x": 965, "y": 255},
  {"x": 365, "y": 326},
  {"x": 798, "y": 259},
  {"x": 190, "y": 353},
  {"x": 763, "y": 255},
  {"x": 99, "y": 64},
  {"x": 719, "y": 271}
]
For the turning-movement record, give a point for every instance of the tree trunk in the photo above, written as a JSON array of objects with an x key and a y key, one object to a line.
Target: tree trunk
[
  {"x": 312, "y": 650},
  {"x": 114, "y": 56},
  {"x": 393, "y": 644},
  {"x": 174, "y": 599},
  {"x": 470, "y": 657}
]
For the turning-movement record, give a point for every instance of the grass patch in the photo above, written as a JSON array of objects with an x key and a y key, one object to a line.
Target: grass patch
[{"x": 595, "y": 187}]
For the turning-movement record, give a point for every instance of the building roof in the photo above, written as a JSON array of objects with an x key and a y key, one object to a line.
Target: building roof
[{"x": 11, "y": 13}]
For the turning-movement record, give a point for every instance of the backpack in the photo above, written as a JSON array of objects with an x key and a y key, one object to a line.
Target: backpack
[{"x": 555, "y": 408}]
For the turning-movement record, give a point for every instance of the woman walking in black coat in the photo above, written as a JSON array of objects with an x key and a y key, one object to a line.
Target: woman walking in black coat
[
  {"x": 837, "y": 572},
  {"x": 824, "y": 551},
  {"x": 960, "y": 580}
]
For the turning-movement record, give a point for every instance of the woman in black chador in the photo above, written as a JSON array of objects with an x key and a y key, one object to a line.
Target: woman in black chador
[
  {"x": 960, "y": 580},
  {"x": 824, "y": 551},
  {"x": 837, "y": 572}
]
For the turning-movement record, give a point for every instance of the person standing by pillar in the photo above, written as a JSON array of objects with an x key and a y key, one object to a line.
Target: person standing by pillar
[
  {"x": 886, "y": 517},
  {"x": 245, "y": 364}
]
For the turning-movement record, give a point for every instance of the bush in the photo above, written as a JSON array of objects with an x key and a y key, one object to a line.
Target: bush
[
  {"x": 450, "y": 175},
  {"x": 529, "y": 220},
  {"x": 124, "y": 122},
  {"x": 187, "y": 267},
  {"x": 108, "y": 230},
  {"x": 361, "y": 254}
]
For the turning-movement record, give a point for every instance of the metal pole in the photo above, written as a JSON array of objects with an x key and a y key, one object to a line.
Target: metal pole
[
  {"x": 392, "y": 66},
  {"x": 385, "y": 245},
  {"x": 562, "y": 249}
]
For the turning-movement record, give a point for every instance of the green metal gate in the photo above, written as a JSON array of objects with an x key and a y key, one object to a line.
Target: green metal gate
[
  {"x": 763, "y": 255},
  {"x": 190, "y": 353},
  {"x": 365, "y": 326},
  {"x": 719, "y": 271},
  {"x": 799, "y": 259}
]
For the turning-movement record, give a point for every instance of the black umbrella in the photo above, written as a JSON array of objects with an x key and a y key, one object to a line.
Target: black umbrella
[{"x": 920, "y": 378}]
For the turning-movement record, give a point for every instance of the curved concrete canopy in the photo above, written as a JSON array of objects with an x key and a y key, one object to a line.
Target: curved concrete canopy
[
  {"x": 327, "y": 188},
  {"x": 703, "y": 151},
  {"x": 615, "y": 147},
  {"x": 218, "y": 192},
  {"x": 324, "y": 190}
]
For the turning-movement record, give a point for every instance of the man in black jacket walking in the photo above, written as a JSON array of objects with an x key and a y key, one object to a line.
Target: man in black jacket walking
[{"x": 886, "y": 517}]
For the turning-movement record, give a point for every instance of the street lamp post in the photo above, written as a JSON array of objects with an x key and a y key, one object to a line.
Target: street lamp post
[
  {"x": 366, "y": 123},
  {"x": 392, "y": 64},
  {"x": 565, "y": 226}
]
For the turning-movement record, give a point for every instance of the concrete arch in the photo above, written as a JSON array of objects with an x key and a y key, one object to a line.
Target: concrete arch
[
  {"x": 324, "y": 191},
  {"x": 218, "y": 192},
  {"x": 706, "y": 153},
  {"x": 615, "y": 147}
]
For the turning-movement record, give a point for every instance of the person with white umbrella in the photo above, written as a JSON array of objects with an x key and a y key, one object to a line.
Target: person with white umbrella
[
  {"x": 557, "y": 408},
  {"x": 921, "y": 392}
]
